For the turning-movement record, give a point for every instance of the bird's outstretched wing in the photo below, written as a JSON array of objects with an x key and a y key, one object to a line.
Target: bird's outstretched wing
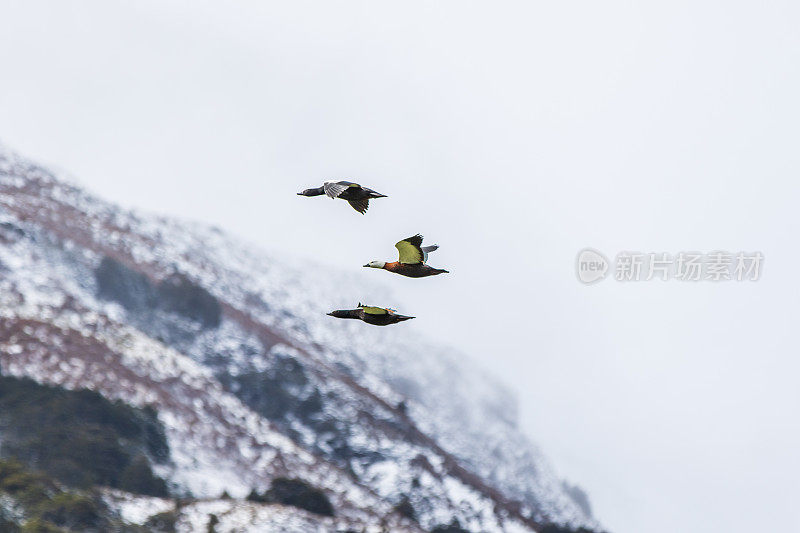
[
  {"x": 335, "y": 188},
  {"x": 411, "y": 250},
  {"x": 428, "y": 249},
  {"x": 372, "y": 310},
  {"x": 360, "y": 205}
]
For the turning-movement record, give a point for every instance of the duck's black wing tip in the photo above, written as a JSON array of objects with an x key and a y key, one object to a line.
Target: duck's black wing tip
[
  {"x": 416, "y": 241},
  {"x": 359, "y": 205}
]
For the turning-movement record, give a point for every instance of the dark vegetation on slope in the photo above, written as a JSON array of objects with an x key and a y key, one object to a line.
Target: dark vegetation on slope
[
  {"x": 44, "y": 503},
  {"x": 48, "y": 508},
  {"x": 176, "y": 294},
  {"x": 286, "y": 395},
  {"x": 162, "y": 522},
  {"x": 279, "y": 392},
  {"x": 405, "y": 508},
  {"x": 80, "y": 438},
  {"x": 297, "y": 493}
]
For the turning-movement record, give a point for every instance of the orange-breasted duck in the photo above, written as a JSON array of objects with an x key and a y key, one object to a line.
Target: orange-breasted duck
[
  {"x": 377, "y": 316},
  {"x": 412, "y": 259},
  {"x": 356, "y": 195}
]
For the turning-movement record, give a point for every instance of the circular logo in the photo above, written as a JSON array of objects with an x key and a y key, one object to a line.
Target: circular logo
[{"x": 591, "y": 266}]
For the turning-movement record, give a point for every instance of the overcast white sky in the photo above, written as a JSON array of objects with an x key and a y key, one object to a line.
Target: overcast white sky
[{"x": 513, "y": 134}]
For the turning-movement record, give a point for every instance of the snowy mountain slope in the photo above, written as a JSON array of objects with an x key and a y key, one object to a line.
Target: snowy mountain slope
[
  {"x": 230, "y": 516},
  {"x": 249, "y": 376}
]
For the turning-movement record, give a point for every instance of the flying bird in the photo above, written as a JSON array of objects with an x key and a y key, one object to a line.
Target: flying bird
[
  {"x": 412, "y": 259},
  {"x": 377, "y": 316},
  {"x": 356, "y": 195}
]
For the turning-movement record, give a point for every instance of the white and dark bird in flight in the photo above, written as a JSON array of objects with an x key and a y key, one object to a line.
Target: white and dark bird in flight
[{"x": 356, "y": 195}]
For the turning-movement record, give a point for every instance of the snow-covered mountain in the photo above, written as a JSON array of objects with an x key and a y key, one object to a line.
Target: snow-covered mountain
[{"x": 251, "y": 380}]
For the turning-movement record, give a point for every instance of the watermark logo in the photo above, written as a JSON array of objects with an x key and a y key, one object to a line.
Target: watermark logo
[{"x": 591, "y": 266}]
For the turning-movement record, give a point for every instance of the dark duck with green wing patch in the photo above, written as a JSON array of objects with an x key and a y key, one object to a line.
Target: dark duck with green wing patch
[
  {"x": 412, "y": 259},
  {"x": 377, "y": 316},
  {"x": 356, "y": 195}
]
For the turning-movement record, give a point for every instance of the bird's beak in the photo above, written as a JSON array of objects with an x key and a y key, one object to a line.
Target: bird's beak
[
  {"x": 329, "y": 314},
  {"x": 299, "y": 194},
  {"x": 366, "y": 265}
]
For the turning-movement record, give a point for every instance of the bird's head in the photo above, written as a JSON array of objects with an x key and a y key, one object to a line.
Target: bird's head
[
  {"x": 375, "y": 264},
  {"x": 340, "y": 314},
  {"x": 307, "y": 192}
]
